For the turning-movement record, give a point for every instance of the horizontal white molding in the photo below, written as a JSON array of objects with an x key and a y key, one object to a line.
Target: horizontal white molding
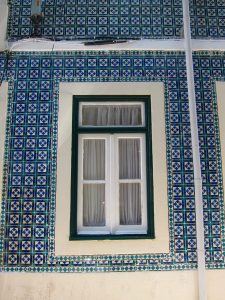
[
  {"x": 208, "y": 45},
  {"x": 144, "y": 44}
]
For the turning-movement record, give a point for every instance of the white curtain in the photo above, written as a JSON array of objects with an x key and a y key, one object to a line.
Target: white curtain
[
  {"x": 93, "y": 193},
  {"x": 94, "y": 205},
  {"x": 111, "y": 115},
  {"x": 129, "y": 159},
  {"x": 130, "y": 204},
  {"x": 94, "y": 159},
  {"x": 129, "y": 192}
]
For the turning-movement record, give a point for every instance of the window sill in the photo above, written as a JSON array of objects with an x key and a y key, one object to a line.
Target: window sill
[{"x": 84, "y": 237}]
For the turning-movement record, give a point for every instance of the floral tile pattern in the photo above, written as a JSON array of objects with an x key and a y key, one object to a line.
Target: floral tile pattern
[
  {"x": 28, "y": 226},
  {"x": 123, "y": 19},
  {"x": 207, "y": 19}
]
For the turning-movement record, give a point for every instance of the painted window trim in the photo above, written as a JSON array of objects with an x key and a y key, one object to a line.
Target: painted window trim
[
  {"x": 145, "y": 129},
  {"x": 159, "y": 114}
]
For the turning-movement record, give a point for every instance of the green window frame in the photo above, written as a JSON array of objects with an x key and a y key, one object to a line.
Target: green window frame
[{"x": 78, "y": 130}]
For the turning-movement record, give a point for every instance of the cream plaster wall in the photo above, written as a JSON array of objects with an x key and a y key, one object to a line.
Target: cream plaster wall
[
  {"x": 101, "y": 286},
  {"x": 161, "y": 243},
  {"x": 174, "y": 285}
]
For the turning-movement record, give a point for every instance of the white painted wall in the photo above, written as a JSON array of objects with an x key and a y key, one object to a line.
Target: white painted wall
[{"x": 3, "y": 24}]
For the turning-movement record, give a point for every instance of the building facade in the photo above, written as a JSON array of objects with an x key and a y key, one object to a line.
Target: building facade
[{"x": 40, "y": 75}]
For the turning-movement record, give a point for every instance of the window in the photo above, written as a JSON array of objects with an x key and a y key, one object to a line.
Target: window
[
  {"x": 111, "y": 185},
  {"x": 65, "y": 243}
]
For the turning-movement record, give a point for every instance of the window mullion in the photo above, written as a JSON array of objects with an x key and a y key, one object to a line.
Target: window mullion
[
  {"x": 113, "y": 186},
  {"x": 116, "y": 183},
  {"x": 107, "y": 184}
]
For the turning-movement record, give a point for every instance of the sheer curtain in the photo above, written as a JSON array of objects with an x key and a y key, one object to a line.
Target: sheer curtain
[
  {"x": 111, "y": 115},
  {"x": 129, "y": 191},
  {"x": 93, "y": 192},
  {"x": 94, "y": 207}
]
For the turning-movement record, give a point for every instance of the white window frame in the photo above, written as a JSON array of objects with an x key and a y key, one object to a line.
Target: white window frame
[
  {"x": 112, "y": 103},
  {"x": 112, "y": 186}
]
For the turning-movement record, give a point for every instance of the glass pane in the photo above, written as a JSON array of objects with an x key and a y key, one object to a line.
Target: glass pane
[
  {"x": 94, "y": 159},
  {"x": 111, "y": 115},
  {"x": 129, "y": 159},
  {"x": 130, "y": 203},
  {"x": 93, "y": 205}
]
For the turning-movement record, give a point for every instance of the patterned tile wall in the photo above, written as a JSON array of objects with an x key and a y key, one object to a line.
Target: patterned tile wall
[
  {"x": 208, "y": 69},
  {"x": 27, "y": 242},
  {"x": 88, "y": 19},
  {"x": 207, "y": 19}
]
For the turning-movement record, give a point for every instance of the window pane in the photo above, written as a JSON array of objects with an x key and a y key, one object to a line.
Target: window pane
[
  {"x": 130, "y": 203},
  {"x": 94, "y": 159},
  {"x": 111, "y": 115},
  {"x": 93, "y": 205},
  {"x": 129, "y": 159}
]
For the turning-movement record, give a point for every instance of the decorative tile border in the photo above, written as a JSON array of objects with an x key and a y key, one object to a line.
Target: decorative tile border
[
  {"x": 28, "y": 219},
  {"x": 211, "y": 227},
  {"x": 209, "y": 68}
]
